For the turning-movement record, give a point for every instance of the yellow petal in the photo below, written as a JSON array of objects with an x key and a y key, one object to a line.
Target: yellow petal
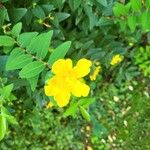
[
  {"x": 62, "y": 98},
  {"x": 80, "y": 89},
  {"x": 62, "y": 66},
  {"x": 51, "y": 88},
  {"x": 82, "y": 68},
  {"x": 47, "y": 90}
]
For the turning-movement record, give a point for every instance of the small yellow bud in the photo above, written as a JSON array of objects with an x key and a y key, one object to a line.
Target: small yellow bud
[
  {"x": 116, "y": 59},
  {"x": 49, "y": 105},
  {"x": 95, "y": 73},
  {"x": 88, "y": 128},
  {"x": 89, "y": 148}
]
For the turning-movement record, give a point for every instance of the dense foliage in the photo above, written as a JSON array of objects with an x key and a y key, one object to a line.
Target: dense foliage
[{"x": 100, "y": 102}]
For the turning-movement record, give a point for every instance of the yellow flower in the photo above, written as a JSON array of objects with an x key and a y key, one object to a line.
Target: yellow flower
[
  {"x": 95, "y": 73},
  {"x": 116, "y": 59},
  {"x": 89, "y": 148},
  {"x": 49, "y": 105},
  {"x": 67, "y": 80}
]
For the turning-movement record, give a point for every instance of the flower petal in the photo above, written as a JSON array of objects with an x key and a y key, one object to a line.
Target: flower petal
[
  {"x": 48, "y": 90},
  {"x": 62, "y": 98},
  {"x": 82, "y": 68},
  {"x": 51, "y": 87},
  {"x": 62, "y": 66},
  {"x": 80, "y": 89}
]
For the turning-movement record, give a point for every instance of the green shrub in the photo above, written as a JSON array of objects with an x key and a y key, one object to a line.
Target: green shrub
[{"x": 107, "y": 42}]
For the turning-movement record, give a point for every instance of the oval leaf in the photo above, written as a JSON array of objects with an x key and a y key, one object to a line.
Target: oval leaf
[
  {"x": 59, "y": 52},
  {"x": 38, "y": 12},
  {"x": 6, "y": 41},
  {"x": 71, "y": 110},
  {"x": 6, "y": 91},
  {"x": 85, "y": 114},
  {"x": 16, "y": 29},
  {"x": 40, "y": 44},
  {"x": 132, "y": 23},
  {"x": 32, "y": 69},
  {"x": 17, "y": 59},
  {"x": 136, "y": 5},
  {"x": 24, "y": 39},
  {"x": 17, "y": 13}
]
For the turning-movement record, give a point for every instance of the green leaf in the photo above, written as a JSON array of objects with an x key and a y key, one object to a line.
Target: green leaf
[
  {"x": 6, "y": 41},
  {"x": 62, "y": 16},
  {"x": 102, "y": 2},
  {"x": 8, "y": 116},
  {"x": 16, "y": 29},
  {"x": 85, "y": 102},
  {"x": 40, "y": 44},
  {"x": 74, "y": 4},
  {"x": 3, "y": 126},
  {"x": 145, "y": 21},
  {"x": 132, "y": 23},
  {"x": 147, "y": 3},
  {"x": 6, "y": 91},
  {"x": 3, "y": 14},
  {"x": 71, "y": 111},
  {"x": 11, "y": 119},
  {"x": 103, "y": 21},
  {"x": 85, "y": 114},
  {"x": 123, "y": 25},
  {"x": 7, "y": 49},
  {"x": 58, "y": 3},
  {"x": 128, "y": 7},
  {"x": 38, "y": 12},
  {"x": 28, "y": 17},
  {"x": 24, "y": 39},
  {"x": 120, "y": 9},
  {"x": 17, "y": 59},
  {"x": 32, "y": 69},
  {"x": 33, "y": 82},
  {"x": 59, "y": 52},
  {"x": 91, "y": 16},
  {"x": 47, "y": 8},
  {"x": 17, "y": 13},
  {"x": 136, "y": 5}
]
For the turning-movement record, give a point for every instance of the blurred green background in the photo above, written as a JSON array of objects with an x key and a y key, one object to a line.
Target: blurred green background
[{"x": 98, "y": 29}]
